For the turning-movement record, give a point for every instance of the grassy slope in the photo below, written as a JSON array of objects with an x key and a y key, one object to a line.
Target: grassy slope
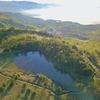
[{"x": 6, "y": 21}]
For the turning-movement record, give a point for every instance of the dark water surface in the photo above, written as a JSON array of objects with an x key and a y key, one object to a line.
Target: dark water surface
[{"x": 34, "y": 62}]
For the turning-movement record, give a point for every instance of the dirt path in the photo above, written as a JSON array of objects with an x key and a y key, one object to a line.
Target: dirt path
[
  {"x": 55, "y": 93},
  {"x": 79, "y": 92}
]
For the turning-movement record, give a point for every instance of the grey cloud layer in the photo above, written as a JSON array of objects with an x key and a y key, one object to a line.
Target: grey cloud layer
[{"x": 15, "y": 6}]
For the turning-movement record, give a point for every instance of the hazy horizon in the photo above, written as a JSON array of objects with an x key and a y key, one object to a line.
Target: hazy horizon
[{"x": 81, "y": 11}]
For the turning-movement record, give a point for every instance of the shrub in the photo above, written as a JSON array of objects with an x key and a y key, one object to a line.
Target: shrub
[
  {"x": 24, "y": 85},
  {"x": 34, "y": 93},
  {"x": 4, "y": 85},
  {"x": 59, "y": 89},
  {"x": 12, "y": 82},
  {"x": 28, "y": 92},
  {"x": 1, "y": 89}
]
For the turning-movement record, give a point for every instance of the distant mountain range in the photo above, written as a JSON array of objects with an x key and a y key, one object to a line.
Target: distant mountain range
[{"x": 56, "y": 27}]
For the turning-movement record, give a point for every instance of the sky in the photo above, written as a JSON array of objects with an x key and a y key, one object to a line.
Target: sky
[{"x": 81, "y": 11}]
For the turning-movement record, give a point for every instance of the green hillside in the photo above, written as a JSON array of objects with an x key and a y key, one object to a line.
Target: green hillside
[
  {"x": 6, "y": 21},
  {"x": 79, "y": 59},
  {"x": 61, "y": 28}
]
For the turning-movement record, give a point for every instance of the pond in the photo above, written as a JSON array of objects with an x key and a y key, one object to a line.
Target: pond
[{"x": 34, "y": 62}]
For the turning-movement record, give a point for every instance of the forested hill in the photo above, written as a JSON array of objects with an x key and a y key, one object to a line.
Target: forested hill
[
  {"x": 61, "y": 28},
  {"x": 7, "y": 21},
  {"x": 81, "y": 60}
]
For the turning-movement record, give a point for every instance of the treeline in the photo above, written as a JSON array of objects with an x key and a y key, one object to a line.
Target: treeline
[{"x": 7, "y": 32}]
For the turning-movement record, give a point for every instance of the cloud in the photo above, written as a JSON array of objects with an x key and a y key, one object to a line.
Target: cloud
[{"x": 18, "y": 6}]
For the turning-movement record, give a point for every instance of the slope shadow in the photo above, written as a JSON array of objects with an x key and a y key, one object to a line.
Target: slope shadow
[
  {"x": 6, "y": 91},
  {"x": 27, "y": 94},
  {"x": 32, "y": 96},
  {"x": 19, "y": 94}
]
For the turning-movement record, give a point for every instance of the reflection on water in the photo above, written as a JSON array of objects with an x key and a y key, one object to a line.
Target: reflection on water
[{"x": 34, "y": 62}]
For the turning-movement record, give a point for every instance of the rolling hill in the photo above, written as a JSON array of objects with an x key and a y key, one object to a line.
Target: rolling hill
[
  {"x": 61, "y": 28},
  {"x": 7, "y": 21}
]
